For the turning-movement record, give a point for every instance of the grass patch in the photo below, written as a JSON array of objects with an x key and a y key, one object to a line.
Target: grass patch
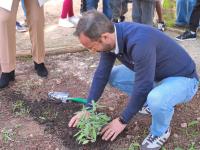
[
  {"x": 25, "y": 58},
  {"x": 134, "y": 146},
  {"x": 7, "y": 135},
  {"x": 169, "y": 12},
  {"x": 20, "y": 109}
]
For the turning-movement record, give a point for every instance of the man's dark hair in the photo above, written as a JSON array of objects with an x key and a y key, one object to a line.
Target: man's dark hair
[{"x": 93, "y": 24}]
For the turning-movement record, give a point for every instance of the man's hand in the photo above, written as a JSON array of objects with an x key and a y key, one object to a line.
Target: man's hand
[
  {"x": 74, "y": 121},
  {"x": 112, "y": 130}
]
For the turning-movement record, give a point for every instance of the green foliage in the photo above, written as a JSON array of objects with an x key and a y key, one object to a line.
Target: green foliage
[
  {"x": 19, "y": 108},
  {"x": 192, "y": 129},
  {"x": 7, "y": 135},
  {"x": 90, "y": 126},
  {"x": 193, "y": 123},
  {"x": 169, "y": 10},
  {"x": 134, "y": 146},
  {"x": 163, "y": 148},
  {"x": 178, "y": 148},
  {"x": 192, "y": 147}
]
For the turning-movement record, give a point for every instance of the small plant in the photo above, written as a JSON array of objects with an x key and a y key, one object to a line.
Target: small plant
[
  {"x": 134, "y": 146},
  {"x": 193, "y": 123},
  {"x": 192, "y": 129},
  {"x": 91, "y": 125},
  {"x": 48, "y": 115},
  {"x": 178, "y": 148},
  {"x": 192, "y": 146},
  {"x": 163, "y": 148},
  {"x": 19, "y": 108},
  {"x": 7, "y": 135}
]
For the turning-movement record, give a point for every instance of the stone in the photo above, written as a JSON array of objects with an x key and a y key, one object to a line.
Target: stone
[
  {"x": 184, "y": 125},
  {"x": 175, "y": 135},
  {"x": 111, "y": 108}
]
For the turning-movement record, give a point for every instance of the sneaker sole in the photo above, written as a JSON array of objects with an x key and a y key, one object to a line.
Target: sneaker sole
[{"x": 193, "y": 39}]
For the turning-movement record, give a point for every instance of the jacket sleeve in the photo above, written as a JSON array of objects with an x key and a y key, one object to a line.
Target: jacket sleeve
[
  {"x": 144, "y": 56},
  {"x": 101, "y": 76}
]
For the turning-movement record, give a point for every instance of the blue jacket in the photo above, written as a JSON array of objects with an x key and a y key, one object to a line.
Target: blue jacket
[{"x": 151, "y": 54}]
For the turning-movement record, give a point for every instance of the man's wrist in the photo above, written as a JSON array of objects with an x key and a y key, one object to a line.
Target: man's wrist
[{"x": 122, "y": 121}]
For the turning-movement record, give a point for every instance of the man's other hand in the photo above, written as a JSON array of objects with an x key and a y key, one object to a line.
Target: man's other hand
[{"x": 112, "y": 130}]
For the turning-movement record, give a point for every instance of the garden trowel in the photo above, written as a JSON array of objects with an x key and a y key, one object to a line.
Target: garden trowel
[{"x": 63, "y": 97}]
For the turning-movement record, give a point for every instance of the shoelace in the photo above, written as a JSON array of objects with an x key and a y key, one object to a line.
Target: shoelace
[{"x": 152, "y": 138}]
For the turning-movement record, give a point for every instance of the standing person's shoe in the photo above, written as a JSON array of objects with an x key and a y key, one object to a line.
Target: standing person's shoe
[
  {"x": 155, "y": 142},
  {"x": 65, "y": 23},
  {"x": 6, "y": 78},
  {"x": 161, "y": 26},
  {"x": 187, "y": 35},
  {"x": 122, "y": 18},
  {"x": 41, "y": 69},
  {"x": 74, "y": 20},
  {"x": 21, "y": 28}
]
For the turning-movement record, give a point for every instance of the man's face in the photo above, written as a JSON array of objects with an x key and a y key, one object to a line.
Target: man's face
[{"x": 99, "y": 45}]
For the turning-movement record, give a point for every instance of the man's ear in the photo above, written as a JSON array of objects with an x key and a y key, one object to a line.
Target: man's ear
[{"x": 105, "y": 36}]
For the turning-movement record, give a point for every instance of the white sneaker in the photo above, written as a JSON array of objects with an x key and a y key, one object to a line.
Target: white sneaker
[
  {"x": 145, "y": 110},
  {"x": 155, "y": 142},
  {"x": 74, "y": 19},
  {"x": 65, "y": 23}
]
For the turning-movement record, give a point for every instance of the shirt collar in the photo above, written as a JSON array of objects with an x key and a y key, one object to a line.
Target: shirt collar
[{"x": 116, "y": 49}]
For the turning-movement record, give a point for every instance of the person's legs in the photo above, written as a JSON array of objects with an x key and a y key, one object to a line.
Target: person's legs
[
  {"x": 193, "y": 25},
  {"x": 159, "y": 11},
  {"x": 7, "y": 38},
  {"x": 83, "y": 6},
  {"x": 8, "y": 44},
  {"x": 106, "y": 8},
  {"x": 115, "y": 8},
  {"x": 91, "y": 4},
  {"x": 67, "y": 10},
  {"x": 160, "y": 22},
  {"x": 190, "y": 7},
  {"x": 70, "y": 7},
  {"x": 136, "y": 11},
  {"x": 195, "y": 17},
  {"x": 181, "y": 12},
  {"x": 162, "y": 99},
  {"x": 148, "y": 8},
  {"x": 122, "y": 78},
  {"x": 35, "y": 17}
]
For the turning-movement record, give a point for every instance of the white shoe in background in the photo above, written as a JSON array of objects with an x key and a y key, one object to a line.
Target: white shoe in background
[
  {"x": 74, "y": 19},
  {"x": 65, "y": 23}
]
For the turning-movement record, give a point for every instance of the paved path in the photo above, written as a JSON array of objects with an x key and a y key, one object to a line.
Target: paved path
[{"x": 61, "y": 40}]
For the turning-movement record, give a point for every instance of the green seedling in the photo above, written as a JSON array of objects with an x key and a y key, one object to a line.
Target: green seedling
[
  {"x": 163, "y": 148},
  {"x": 48, "y": 115},
  {"x": 178, "y": 148},
  {"x": 7, "y": 135},
  {"x": 90, "y": 126},
  {"x": 19, "y": 108},
  {"x": 192, "y": 147},
  {"x": 134, "y": 146},
  {"x": 192, "y": 129},
  {"x": 193, "y": 123}
]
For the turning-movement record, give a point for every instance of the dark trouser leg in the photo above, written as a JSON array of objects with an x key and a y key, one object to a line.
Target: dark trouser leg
[{"x": 195, "y": 17}]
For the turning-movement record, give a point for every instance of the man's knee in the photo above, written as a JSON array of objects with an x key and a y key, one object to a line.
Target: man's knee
[{"x": 155, "y": 101}]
